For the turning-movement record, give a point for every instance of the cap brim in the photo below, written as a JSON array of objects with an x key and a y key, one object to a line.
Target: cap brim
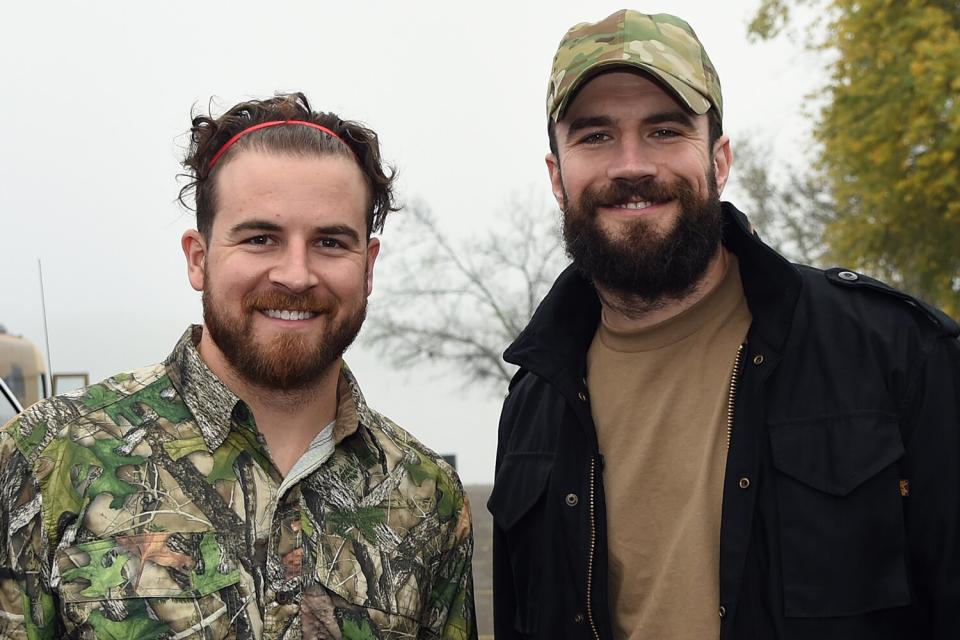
[{"x": 687, "y": 95}]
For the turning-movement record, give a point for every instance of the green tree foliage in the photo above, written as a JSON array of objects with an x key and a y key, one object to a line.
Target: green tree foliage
[{"x": 889, "y": 136}]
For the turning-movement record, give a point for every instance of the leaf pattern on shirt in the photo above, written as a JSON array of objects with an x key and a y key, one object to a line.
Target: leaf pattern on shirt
[{"x": 161, "y": 517}]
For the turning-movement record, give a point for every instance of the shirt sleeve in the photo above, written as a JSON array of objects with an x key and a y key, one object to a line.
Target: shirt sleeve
[
  {"x": 27, "y": 608},
  {"x": 451, "y": 609}
]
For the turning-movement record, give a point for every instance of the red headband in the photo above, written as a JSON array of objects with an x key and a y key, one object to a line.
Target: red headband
[{"x": 264, "y": 125}]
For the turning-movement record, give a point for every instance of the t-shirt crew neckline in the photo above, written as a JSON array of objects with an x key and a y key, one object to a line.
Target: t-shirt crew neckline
[{"x": 719, "y": 303}]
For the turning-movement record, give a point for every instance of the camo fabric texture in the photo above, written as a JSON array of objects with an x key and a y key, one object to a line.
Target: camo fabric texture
[
  {"x": 147, "y": 507},
  {"x": 661, "y": 44}
]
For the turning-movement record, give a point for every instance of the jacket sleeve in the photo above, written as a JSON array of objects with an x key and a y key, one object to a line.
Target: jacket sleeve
[
  {"x": 932, "y": 506},
  {"x": 27, "y": 608},
  {"x": 504, "y": 599},
  {"x": 504, "y": 596}
]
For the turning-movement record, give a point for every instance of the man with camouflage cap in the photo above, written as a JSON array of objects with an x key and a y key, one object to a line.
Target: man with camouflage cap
[
  {"x": 243, "y": 488},
  {"x": 704, "y": 440}
]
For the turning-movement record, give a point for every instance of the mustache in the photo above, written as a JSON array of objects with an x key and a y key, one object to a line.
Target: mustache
[
  {"x": 286, "y": 301},
  {"x": 620, "y": 191}
]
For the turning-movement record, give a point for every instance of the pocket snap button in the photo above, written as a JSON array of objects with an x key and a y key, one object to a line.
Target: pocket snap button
[{"x": 572, "y": 500}]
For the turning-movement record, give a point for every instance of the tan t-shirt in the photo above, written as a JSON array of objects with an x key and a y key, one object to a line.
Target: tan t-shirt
[{"x": 659, "y": 399}]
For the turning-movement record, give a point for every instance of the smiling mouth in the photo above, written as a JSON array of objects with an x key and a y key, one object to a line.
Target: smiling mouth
[
  {"x": 637, "y": 206},
  {"x": 284, "y": 314}
]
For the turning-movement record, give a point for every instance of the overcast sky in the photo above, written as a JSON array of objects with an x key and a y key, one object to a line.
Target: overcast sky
[{"x": 97, "y": 97}]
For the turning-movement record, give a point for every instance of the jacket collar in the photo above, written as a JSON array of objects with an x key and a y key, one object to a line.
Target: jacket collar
[{"x": 560, "y": 332}]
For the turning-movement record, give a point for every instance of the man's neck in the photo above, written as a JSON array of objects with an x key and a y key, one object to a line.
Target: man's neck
[
  {"x": 288, "y": 420},
  {"x": 626, "y": 313}
]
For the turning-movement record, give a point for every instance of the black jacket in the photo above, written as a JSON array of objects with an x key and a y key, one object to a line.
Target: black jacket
[{"x": 842, "y": 488}]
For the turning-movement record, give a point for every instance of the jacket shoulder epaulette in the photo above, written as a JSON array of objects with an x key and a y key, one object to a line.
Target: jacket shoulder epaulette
[{"x": 847, "y": 278}]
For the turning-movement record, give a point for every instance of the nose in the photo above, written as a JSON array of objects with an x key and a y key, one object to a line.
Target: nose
[
  {"x": 292, "y": 270},
  {"x": 632, "y": 161}
]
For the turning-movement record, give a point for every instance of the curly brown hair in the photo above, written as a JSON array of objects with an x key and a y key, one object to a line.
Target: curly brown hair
[{"x": 208, "y": 134}]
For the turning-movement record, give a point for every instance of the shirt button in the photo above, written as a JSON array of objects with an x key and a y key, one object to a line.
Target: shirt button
[
  {"x": 744, "y": 483},
  {"x": 758, "y": 359},
  {"x": 572, "y": 499},
  {"x": 582, "y": 396},
  {"x": 723, "y": 611},
  {"x": 578, "y": 618}
]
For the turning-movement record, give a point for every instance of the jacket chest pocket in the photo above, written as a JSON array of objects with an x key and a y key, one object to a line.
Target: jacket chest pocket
[
  {"x": 519, "y": 510},
  {"x": 841, "y": 521}
]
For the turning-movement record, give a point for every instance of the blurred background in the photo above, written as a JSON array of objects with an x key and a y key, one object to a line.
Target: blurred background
[{"x": 844, "y": 119}]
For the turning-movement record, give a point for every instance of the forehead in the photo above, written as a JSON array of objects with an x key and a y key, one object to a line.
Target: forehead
[
  {"x": 261, "y": 182},
  {"x": 619, "y": 92}
]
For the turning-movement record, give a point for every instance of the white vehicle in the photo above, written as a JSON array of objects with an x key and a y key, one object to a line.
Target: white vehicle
[
  {"x": 22, "y": 368},
  {"x": 24, "y": 374},
  {"x": 9, "y": 405}
]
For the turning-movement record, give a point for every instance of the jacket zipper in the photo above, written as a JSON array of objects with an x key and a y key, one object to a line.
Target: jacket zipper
[
  {"x": 731, "y": 400},
  {"x": 593, "y": 545},
  {"x": 732, "y": 394}
]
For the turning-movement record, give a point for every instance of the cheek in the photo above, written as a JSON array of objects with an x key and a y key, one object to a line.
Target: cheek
[
  {"x": 232, "y": 278},
  {"x": 575, "y": 176}
]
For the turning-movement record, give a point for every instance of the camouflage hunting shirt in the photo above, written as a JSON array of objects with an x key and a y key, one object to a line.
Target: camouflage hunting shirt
[{"x": 147, "y": 507}]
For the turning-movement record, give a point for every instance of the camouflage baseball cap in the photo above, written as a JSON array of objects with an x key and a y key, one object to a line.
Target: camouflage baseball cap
[{"x": 662, "y": 45}]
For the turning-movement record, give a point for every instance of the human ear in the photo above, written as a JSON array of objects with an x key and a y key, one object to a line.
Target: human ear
[
  {"x": 556, "y": 180},
  {"x": 373, "y": 250},
  {"x": 722, "y": 161},
  {"x": 195, "y": 250}
]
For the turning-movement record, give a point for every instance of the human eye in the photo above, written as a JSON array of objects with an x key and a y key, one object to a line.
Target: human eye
[
  {"x": 595, "y": 137},
  {"x": 665, "y": 132},
  {"x": 261, "y": 240},
  {"x": 329, "y": 243}
]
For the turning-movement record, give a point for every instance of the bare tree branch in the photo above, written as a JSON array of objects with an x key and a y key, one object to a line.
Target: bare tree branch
[
  {"x": 791, "y": 217},
  {"x": 461, "y": 302}
]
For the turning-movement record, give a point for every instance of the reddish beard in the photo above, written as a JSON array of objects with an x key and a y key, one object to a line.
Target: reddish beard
[{"x": 289, "y": 361}]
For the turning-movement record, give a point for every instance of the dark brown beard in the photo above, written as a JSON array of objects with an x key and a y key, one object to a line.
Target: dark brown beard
[
  {"x": 642, "y": 263},
  {"x": 288, "y": 362}
]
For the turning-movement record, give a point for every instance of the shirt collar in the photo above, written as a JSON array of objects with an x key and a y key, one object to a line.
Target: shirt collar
[
  {"x": 352, "y": 409},
  {"x": 213, "y": 404},
  {"x": 210, "y": 401}
]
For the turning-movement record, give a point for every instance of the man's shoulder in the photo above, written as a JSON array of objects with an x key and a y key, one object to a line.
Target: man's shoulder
[
  {"x": 416, "y": 472},
  {"x": 113, "y": 404},
  {"x": 870, "y": 303},
  {"x": 414, "y": 453}
]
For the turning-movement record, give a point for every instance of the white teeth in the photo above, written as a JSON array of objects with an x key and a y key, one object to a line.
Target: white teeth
[
  {"x": 283, "y": 314},
  {"x": 634, "y": 205}
]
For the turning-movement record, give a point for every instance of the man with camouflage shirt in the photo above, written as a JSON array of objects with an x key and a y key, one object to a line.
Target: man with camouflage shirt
[
  {"x": 243, "y": 488},
  {"x": 704, "y": 440}
]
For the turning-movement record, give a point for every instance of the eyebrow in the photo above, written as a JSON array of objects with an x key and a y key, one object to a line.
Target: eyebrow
[
  {"x": 589, "y": 122},
  {"x": 677, "y": 116},
  {"x": 264, "y": 225},
  {"x": 339, "y": 230},
  {"x": 254, "y": 225}
]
